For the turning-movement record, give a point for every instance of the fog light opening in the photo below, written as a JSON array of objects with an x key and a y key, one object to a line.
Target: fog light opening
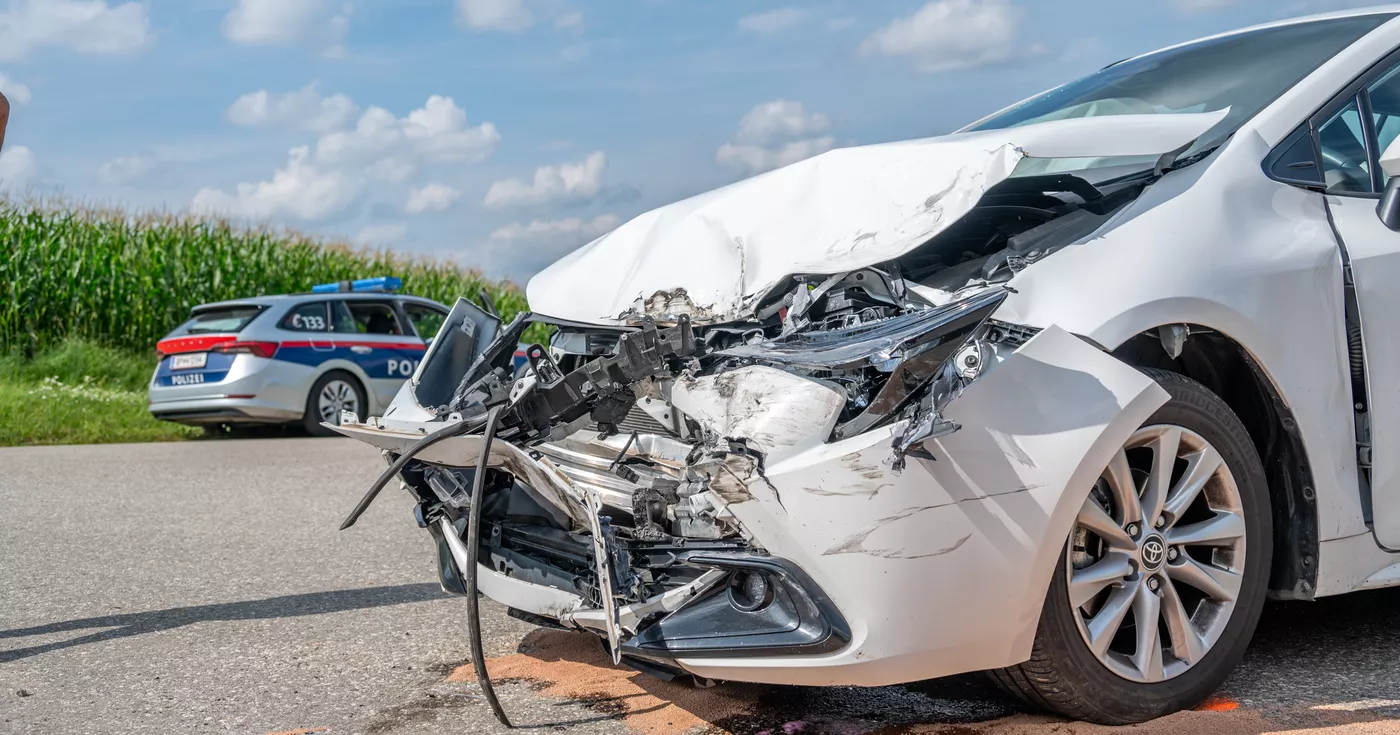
[{"x": 750, "y": 592}]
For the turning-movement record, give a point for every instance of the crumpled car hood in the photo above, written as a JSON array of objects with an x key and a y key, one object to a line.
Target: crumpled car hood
[{"x": 714, "y": 256}]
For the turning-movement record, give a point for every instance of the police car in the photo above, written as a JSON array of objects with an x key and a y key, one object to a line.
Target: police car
[{"x": 304, "y": 358}]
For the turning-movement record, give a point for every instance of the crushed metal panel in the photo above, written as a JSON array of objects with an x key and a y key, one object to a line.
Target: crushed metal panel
[
  {"x": 899, "y": 554},
  {"x": 714, "y": 255}
]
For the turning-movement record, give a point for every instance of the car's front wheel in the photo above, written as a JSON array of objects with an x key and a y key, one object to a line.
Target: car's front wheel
[{"x": 1164, "y": 575}]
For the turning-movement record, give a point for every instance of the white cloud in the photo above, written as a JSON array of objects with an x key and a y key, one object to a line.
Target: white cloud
[
  {"x": 569, "y": 21},
  {"x": 951, "y": 34},
  {"x": 436, "y": 132},
  {"x": 301, "y": 190},
  {"x": 124, "y": 170},
  {"x": 754, "y": 159},
  {"x": 339, "y": 28},
  {"x": 279, "y": 22},
  {"x": 565, "y": 183},
  {"x": 381, "y": 234},
  {"x": 571, "y": 230},
  {"x": 304, "y": 109},
  {"x": 495, "y": 15},
  {"x": 17, "y": 167},
  {"x": 272, "y": 21},
  {"x": 774, "y": 21},
  {"x": 780, "y": 120},
  {"x": 545, "y": 241},
  {"x": 775, "y": 134},
  {"x": 575, "y": 52},
  {"x": 85, "y": 26},
  {"x": 431, "y": 198},
  {"x": 15, "y": 92}
]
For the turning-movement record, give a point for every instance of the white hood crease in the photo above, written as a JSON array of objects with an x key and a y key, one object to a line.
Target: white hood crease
[{"x": 713, "y": 256}]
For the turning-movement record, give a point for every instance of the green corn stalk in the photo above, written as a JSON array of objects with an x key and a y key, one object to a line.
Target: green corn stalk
[{"x": 126, "y": 280}]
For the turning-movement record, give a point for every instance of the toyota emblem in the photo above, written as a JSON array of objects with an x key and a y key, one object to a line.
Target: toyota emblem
[{"x": 1153, "y": 549}]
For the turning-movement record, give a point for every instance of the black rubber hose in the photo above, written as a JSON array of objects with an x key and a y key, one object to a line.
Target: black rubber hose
[
  {"x": 483, "y": 679},
  {"x": 451, "y": 430}
]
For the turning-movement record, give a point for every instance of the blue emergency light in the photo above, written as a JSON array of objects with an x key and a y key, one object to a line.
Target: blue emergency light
[{"x": 382, "y": 284}]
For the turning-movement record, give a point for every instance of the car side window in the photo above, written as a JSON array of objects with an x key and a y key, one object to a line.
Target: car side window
[
  {"x": 1384, "y": 99},
  {"x": 309, "y": 317},
  {"x": 426, "y": 320},
  {"x": 371, "y": 317},
  {"x": 1346, "y": 160},
  {"x": 341, "y": 318},
  {"x": 1339, "y": 150}
]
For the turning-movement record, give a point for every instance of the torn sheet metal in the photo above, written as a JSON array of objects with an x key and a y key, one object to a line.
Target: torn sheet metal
[
  {"x": 713, "y": 256},
  {"x": 539, "y": 475}
]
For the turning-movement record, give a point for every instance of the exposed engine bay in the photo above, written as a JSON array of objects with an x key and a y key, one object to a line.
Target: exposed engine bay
[{"x": 623, "y": 447}]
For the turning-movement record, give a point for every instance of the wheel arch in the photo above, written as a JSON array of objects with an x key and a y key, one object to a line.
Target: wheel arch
[{"x": 1225, "y": 366}]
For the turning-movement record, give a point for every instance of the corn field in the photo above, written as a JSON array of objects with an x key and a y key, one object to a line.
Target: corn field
[{"x": 125, "y": 281}]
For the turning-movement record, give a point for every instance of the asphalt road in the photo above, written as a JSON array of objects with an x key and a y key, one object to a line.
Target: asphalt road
[{"x": 203, "y": 588}]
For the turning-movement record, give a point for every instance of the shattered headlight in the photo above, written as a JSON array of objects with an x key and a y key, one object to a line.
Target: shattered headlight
[{"x": 916, "y": 363}]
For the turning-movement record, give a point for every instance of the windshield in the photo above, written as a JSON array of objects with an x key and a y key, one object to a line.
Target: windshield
[{"x": 1243, "y": 72}]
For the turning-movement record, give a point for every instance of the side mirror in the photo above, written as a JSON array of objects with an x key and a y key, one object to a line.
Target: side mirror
[{"x": 1389, "y": 207}]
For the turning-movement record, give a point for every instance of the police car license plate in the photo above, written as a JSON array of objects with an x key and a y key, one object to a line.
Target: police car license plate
[{"x": 189, "y": 362}]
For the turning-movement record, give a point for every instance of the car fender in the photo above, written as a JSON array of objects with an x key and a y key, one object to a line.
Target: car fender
[{"x": 943, "y": 567}]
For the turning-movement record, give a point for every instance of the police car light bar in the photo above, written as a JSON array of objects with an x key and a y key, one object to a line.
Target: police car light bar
[{"x": 382, "y": 284}]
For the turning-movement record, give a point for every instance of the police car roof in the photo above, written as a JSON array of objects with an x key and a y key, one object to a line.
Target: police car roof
[{"x": 275, "y": 299}]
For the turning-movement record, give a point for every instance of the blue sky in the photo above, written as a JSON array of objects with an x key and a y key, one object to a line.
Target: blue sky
[{"x": 505, "y": 133}]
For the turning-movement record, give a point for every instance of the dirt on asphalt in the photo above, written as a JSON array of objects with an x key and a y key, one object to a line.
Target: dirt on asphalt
[{"x": 574, "y": 668}]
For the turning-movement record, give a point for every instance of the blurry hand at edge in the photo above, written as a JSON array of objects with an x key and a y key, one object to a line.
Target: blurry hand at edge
[{"x": 4, "y": 118}]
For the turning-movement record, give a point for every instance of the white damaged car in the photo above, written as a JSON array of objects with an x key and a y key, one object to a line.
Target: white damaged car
[{"x": 1064, "y": 396}]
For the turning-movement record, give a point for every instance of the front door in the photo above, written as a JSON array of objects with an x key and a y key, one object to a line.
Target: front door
[{"x": 1350, "y": 135}]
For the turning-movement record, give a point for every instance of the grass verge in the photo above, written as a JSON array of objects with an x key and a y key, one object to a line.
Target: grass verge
[{"x": 79, "y": 393}]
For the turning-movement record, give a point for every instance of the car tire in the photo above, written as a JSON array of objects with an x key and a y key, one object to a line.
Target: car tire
[
  {"x": 345, "y": 388},
  {"x": 1065, "y": 675}
]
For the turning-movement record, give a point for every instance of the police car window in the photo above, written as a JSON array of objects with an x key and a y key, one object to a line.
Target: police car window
[
  {"x": 373, "y": 317},
  {"x": 426, "y": 321},
  {"x": 231, "y": 319},
  {"x": 341, "y": 318},
  {"x": 307, "y": 318}
]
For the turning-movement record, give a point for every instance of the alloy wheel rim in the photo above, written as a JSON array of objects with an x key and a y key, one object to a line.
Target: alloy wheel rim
[
  {"x": 335, "y": 397},
  {"x": 1157, "y": 556}
]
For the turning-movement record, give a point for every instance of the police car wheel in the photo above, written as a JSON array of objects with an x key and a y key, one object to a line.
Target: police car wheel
[{"x": 332, "y": 393}]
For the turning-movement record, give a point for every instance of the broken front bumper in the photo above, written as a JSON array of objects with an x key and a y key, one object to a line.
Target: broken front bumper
[{"x": 899, "y": 575}]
